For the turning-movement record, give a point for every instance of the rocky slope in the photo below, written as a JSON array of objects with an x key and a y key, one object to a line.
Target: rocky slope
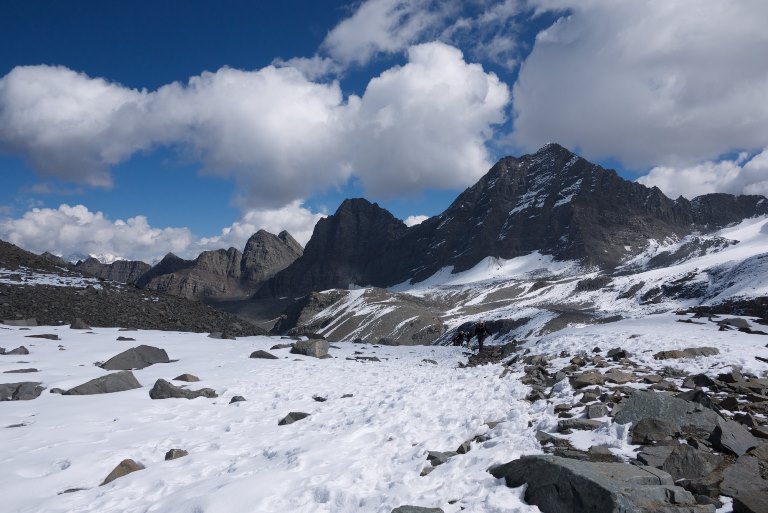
[
  {"x": 121, "y": 271},
  {"x": 33, "y": 287},
  {"x": 553, "y": 201}
]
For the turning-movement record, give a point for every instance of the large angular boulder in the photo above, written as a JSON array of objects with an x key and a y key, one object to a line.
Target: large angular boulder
[
  {"x": 747, "y": 482},
  {"x": 315, "y": 347},
  {"x": 166, "y": 390},
  {"x": 651, "y": 429},
  {"x": 136, "y": 358},
  {"x": 732, "y": 437},
  {"x": 686, "y": 462},
  {"x": 24, "y": 391},
  {"x": 643, "y": 404},
  {"x": 562, "y": 485},
  {"x": 123, "y": 468},
  {"x": 111, "y": 383}
]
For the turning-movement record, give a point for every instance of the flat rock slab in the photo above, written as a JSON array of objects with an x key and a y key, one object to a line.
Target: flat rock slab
[
  {"x": 165, "y": 390},
  {"x": 655, "y": 455},
  {"x": 111, "y": 383},
  {"x": 586, "y": 379},
  {"x": 686, "y": 462},
  {"x": 744, "y": 482},
  {"x": 643, "y": 404},
  {"x": 691, "y": 352},
  {"x": 280, "y": 346},
  {"x": 47, "y": 336},
  {"x": 189, "y": 378},
  {"x": 651, "y": 429},
  {"x": 123, "y": 468},
  {"x": 316, "y": 347},
  {"x": 561, "y": 485},
  {"x": 263, "y": 355},
  {"x": 136, "y": 358},
  {"x": 416, "y": 509},
  {"x": 731, "y": 436},
  {"x": 20, "y": 371},
  {"x": 582, "y": 424},
  {"x": 292, "y": 417},
  {"x": 24, "y": 391}
]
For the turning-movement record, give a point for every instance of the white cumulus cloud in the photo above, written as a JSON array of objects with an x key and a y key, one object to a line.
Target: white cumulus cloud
[
  {"x": 414, "y": 220},
  {"x": 650, "y": 82},
  {"x": 739, "y": 176}
]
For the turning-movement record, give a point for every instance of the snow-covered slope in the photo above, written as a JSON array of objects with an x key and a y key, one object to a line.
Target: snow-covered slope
[{"x": 533, "y": 295}]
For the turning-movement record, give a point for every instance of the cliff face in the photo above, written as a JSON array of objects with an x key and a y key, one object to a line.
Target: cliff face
[
  {"x": 224, "y": 274},
  {"x": 123, "y": 271},
  {"x": 552, "y": 201}
]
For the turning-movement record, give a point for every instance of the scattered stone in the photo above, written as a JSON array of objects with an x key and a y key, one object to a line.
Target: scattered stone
[
  {"x": 465, "y": 447},
  {"x": 617, "y": 354},
  {"x": 263, "y": 355},
  {"x": 280, "y": 346},
  {"x": 652, "y": 378},
  {"x": 126, "y": 339},
  {"x": 760, "y": 432},
  {"x": 58, "y": 391},
  {"x": 20, "y": 371},
  {"x": 138, "y": 357},
  {"x": 124, "y": 468},
  {"x": 78, "y": 324},
  {"x": 426, "y": 470},
  {"x": 221, "y": 335},
  {"x": 736, "y": 323},
  {"x": 586, "y": 379},
  {"x": 619, "y": 377},
  {"x": 655, "y": 455},
  {"x": 111, "y": 383},
  {"x": 175, "y": 454},
  {"x": 24, "y": 391},
  {"x": 596, "y": 411},
  {"x": 19, "y": 350},
  {"x": 731, "y": 436},
  {"x": 416, "y": 509},
  {"x": 651, "y": 429},
  {"x": 558, "y": 485},
  {"x": 319, "y": 399},
  {"x": 426, "y": 360},
  {"x": 317, "y": 348},
  {"x": 734, "y": 376},
  {"x": 237, "y": 399},
  {"x": 437, "y": 458},
  {"x": 46, "y": 336},
  {"x": 189, "y": 378},
  {"x": 165, "y": 390},
  {"x": 699, "y": 380},
  {"x": 292, "y": 417},
  {"x": 691, "y": 352},
  {"x": 345, "y": 396},
  {"x": 582, "y": 424}
]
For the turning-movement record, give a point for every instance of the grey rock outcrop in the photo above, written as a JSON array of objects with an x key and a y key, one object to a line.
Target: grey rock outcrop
[
  {"x": 678, "y": 412},
  {"x": 121, "y": 271},
  {"x": 111, "y": 383},
  {"x": 165, "y": 390},
  {"x": 317, "y": 348},
  {"x": 136, "y": 358},
  {"x": 561, "y": 485}
]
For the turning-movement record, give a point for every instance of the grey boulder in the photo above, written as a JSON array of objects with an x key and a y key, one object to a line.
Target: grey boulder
[
  {"x": 745, "y": 482},
  {"x": 292, "y": 417},
  {"x": 175, "y": 453},
  {"x": 643, "y": 404},
  {"x": 651, "y": 429},
  {"x": 136, "y": 358},
  {"x": 263, "y": 355},
  {"x": 24, "y": 391},
  {"x": 561, "y": 485},
  {"x": 686, "y": 462},
  {"x": 123, "y": 468},
  {"x": 165, "y": 390},
  {"x": 111, "y": 383},
  {"x": 315, "y": 347},
  {"x": 731, "y": 436},
  {"x": 19, "y": 350}
]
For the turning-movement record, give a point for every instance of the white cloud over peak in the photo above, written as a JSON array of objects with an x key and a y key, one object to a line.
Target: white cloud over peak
[
  {"x": 414, "y": 220},
  {"x": 75, "y": 229},
  {"x": 279, "y": 135},
  {"x": 739, "y": 176},
  {"x": 650, "y": 82},
  {"x": 425, "y": 124}
]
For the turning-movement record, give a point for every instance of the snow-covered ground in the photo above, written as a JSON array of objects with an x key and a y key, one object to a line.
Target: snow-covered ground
[
  {"x": 358, "y": 454},
  {"x": 25, "y": 276},
  {"x": 363, "y": 453}
]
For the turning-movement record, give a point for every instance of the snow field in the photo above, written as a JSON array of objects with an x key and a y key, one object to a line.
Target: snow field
[{"x": 363, "y": 453}]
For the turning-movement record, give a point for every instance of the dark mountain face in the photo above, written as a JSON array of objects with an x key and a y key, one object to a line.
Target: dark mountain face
[
  {"x": 552, "y": 201},
  {"x": 266, "y": 254},
  {"x": 122, "y": 271}
]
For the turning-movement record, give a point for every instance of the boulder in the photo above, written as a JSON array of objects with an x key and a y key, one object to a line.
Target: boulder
[
  {"x": 78, "y": 324},
  {"x": 24, "y": 391},
  {"x": 617, "y": 354},
  {"x": 566, "y": 425},
  {"x": 650, "y": 429},
  {"x": 292, "y": 417},
  {"x": 124, "y": 468},
  {"x": 748, "y": 486},
  {"x": 317, "y": 348},
  {"x": 732, "y": 437},
  {"x": 115, "y": 382},
  {"x": 643, "y": 404},
  {"x": 686, "y": 462},
  {"x": 561, "y": 485},
  {"x": 416, "y": 509},
  {"x": 175, "y": 454},
  {"x": 586, "y": 379},
  {"x": 19, "y": 350},
  {"x": 125, "y": 339},
  {"x": 136, "y": 358},
  {"x": 691, "y": 352},
  {"x": 263, "y": 355},
  {"x": 165, "y": 390},
  {"x": 280, "y": 346},
  {"x": 437, "y": 458},
  {"x": 655, "y": 455},
  {"x": 46, "y": 336},
  {"x": 237, "y": 399},
  {"x": 619, "y": 377},
  {"x": 735, "y": 322},
  {"x": 189, "y": 378},
  {"x": 20, "y": 371},
  {"x": 596, "y": 411}
]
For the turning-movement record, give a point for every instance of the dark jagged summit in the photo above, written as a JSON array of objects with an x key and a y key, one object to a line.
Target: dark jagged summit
[
  {"x": 122, "y": 271},
  {"x": 552, "y": 201}
]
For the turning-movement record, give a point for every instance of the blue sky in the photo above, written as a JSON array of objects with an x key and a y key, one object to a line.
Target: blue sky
[{"x": 168, "y": 129}]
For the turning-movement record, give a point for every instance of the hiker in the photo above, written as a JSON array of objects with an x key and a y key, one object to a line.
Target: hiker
[{"x": 480, "y": 332}]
